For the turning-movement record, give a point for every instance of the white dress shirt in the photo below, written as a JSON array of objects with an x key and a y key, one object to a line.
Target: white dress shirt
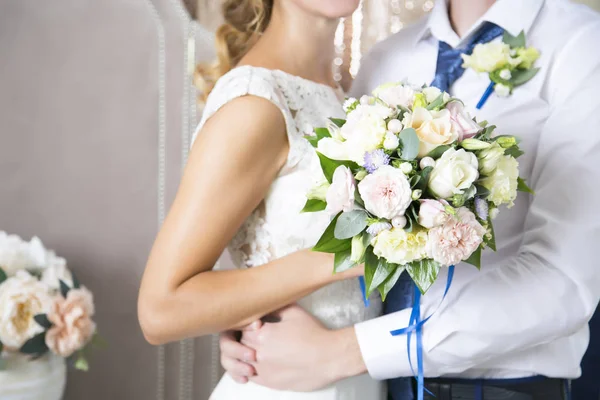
[{"x": 526, "y": 312}]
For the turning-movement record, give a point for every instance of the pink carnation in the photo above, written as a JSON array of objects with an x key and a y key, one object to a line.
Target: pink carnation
[{"x": 456, "y": 239}]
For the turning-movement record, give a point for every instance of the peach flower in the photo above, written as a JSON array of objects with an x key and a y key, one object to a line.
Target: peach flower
[
  {"x": 456, "y": 239},
  {"x": 72, "y": 325}
]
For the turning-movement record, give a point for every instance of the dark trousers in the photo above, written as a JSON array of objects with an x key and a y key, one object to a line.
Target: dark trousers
[
  {"x": 587, "y": 387},
  {"x": 546, "y": 389}
]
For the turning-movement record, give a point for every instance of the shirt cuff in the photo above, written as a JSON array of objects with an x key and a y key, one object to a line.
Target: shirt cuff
[{"x": 386, "y": 356}]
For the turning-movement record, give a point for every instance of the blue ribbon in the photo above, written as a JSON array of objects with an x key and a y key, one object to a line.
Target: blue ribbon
[
  {"x": 416, "y": 325},
  {"x": 363, "y": 289},
  {"x": 486, "y": 95}
]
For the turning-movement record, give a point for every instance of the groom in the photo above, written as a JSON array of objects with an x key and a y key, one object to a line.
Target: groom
[{"x": 519, "y": 326}]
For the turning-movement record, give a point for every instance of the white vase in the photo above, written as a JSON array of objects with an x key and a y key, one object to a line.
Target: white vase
[{"x": 41, "y": 379}]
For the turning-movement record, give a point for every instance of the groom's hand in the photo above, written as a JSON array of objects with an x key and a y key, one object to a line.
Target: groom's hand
[
  {"x": 298, "y": 353},
  {"x": 236, "y": 358}
]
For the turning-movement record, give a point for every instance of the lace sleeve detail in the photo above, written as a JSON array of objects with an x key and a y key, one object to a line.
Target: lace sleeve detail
[{"x": 249, "y": 81}]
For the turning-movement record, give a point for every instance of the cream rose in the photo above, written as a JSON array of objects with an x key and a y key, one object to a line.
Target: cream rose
[
  {"x": 386, "y": 192},
  {"x": 456, "y": 239},
  {"x": 340, "y": 195},
  {"x": 401, "y": 247},
  {"x": 21, "y": 298},
  {"x": 454, "y": 172},
  {"x": 434, "y": 128},
  {"x": 72, "y": 325},
  {"x": 395, "y": 94},
  {"x": 488, "y": 57},
  {"x": 502, "y": 183}
]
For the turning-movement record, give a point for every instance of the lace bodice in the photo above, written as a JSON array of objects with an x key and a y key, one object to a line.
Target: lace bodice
[{"x": 277, "y": 227}]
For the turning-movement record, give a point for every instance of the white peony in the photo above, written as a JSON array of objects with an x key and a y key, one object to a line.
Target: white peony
[
  {"x": 52, "y": 276},
  {"x": 454, "y": 172},
  {"x": 502, "y": 184},
  {"x": 488, "y": 57},
  {"x": 395, "y": 94},
  {"x": 400, "y": 247},
  {"x": 386, "y": 192},
  {"x": 21, "y": 298}
]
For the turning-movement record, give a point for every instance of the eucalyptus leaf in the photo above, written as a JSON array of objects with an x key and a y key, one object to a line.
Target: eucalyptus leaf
[
  {"x": 329, "y": 166},
  {"x": 312, "y": 205},
  {"x": 514, "y": 41},
  {"x": 338, "y": 122},
  {"x": 438, "y": 151},
  {"x": 475, "y": 258},
  {"x": 342, "y": 261},
  {"x": 423, "y": 273},
  {"x": 3, "y": 276},
  {"x": 42, "y": 320},
  {"x": 521, "y": 76},
  {"x": 410, "y": 144},
  {"x": 350, "y": 224},
  {"x": 328, "y": 243},
  {"x": 389, "y": 283},
  {"x": 522, "y": 186},
  {"x": 35, "y": 345},
  {"x": 491, "y": 240},
  {"x": 64, "y": 288}
]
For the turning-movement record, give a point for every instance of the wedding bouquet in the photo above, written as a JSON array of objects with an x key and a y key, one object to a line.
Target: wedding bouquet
[
  {"x": 412, "y": 184},
  {"x": 43, "y": 307}
]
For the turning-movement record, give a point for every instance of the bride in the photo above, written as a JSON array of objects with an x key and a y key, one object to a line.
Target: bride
[{"x": 244, "y": 186}]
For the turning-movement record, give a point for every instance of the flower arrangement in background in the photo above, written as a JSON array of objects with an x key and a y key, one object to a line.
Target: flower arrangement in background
[
  {"x": 412, "y": 184},
  {"x": 43, "y": 307}
]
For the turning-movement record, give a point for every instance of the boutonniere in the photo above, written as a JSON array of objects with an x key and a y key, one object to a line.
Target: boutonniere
[{"x": 508, "y": 64}]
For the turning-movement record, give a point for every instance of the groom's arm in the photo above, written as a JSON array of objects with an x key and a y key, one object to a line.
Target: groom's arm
[{"x": 550, "y": 289}]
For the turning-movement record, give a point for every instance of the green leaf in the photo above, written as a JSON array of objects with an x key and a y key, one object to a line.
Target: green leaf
[
  {"x": 423, "y": 273},
  {"x": 491, "y": 241},
  {"x": 81, "y": 363},
  {"x": 414, "y": 180},
  {"x": 1, "y": 347},
  {"x": 475, "y": 258},
  {"x": 438, "y": 151},
  {"x": 514, "y": 41},
  {"x": 377, "y": 270},
  {"x": 389, "y": 283},
  {"x": 76, "y": 284},
  {"x": 338, "y": 122},
  {"x": 312, "y": 205},
  {"x": 328, "y": 243},
  {"x": 329, "y": 166},
  {"x": 42, "y": 320},
  {"x": 486, "y": 133},
  {"x": 350, "y": 224},
  {"x": 64, "y": 288},
  {"x": 437, "y": 103},
  {"x": 410, "y": 144},
  {"x": 313, "y": 140},
  {"x": 522, "y": 186},
  {"x": 342, "y": 261},
  {"x": 422, "y": 184},
  {"x": 482, "y": 191},
  {"x": 35, "y": 345},
  {"x": 322, "y": 133},
  {"x": 514, "y": 151},
  {"x": 521, "y": 76},
  {"x": 3, "y": 276}
]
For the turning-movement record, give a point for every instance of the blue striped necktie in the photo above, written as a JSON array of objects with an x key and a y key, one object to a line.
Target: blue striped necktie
[{"x": 449, "y": 62}]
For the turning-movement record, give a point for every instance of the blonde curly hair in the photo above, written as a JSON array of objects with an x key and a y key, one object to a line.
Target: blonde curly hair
[{"x": 245, "y": 20}]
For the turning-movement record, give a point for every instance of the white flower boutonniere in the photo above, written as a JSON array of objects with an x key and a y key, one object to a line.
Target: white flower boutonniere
[{"x": 508, "y": 63}]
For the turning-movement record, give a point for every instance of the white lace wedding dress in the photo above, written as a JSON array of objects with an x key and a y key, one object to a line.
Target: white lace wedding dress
[{"x": 278, "y": 228}]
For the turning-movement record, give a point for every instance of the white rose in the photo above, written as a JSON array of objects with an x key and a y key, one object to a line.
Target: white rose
[
  {"x": 395, "y": 94},
  {"x": 363, "y": 131},
  {"x": 56, "y": 273},
  {"x": 502, "y": 184},
  {"x": 488, "y": 57},
  {"x": 434, "y": 128},
  {"x": 400, "y": 247},
  {"x": 453, "y": 173},
  {"x": 334, "y": 149},
  {"x": 386, "y": 192},
  {"x": 432, "y": 93},
  {"x": 489, "y": 157},
  {"x": 340, "y": 195},
  {"x": 21, "y": 298}
]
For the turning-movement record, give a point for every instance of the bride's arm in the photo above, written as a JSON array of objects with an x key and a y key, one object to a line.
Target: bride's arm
[{"x": 231, "y": 166}]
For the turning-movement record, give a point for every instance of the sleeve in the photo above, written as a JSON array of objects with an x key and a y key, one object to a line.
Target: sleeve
[{"x": 550, "y": 289}]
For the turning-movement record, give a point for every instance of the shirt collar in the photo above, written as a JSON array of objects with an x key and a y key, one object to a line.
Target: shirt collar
[{"x": 513, "y": 16}]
